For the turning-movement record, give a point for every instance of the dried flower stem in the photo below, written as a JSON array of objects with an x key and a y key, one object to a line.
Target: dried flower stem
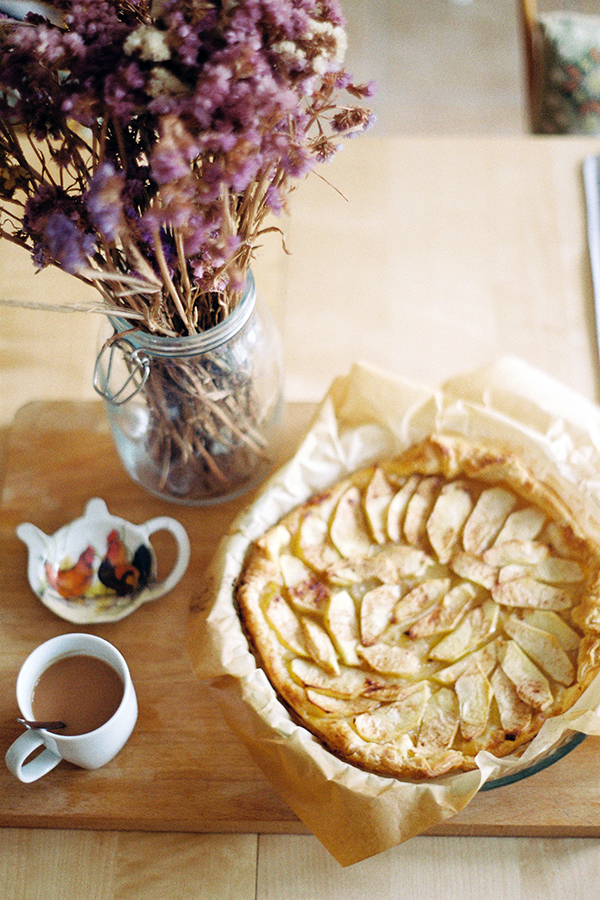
[
  {"x": 70, "y": 307},
  {"x": 185, "y": 278},
  {"x": 168, "y": 281}
]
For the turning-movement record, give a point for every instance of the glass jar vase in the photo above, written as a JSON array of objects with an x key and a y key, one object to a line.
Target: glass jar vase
[{"x": 196, "y": 419}]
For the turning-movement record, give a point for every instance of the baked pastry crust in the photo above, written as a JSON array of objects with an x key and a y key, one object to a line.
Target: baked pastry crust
[{"x": 425, "y": 608}]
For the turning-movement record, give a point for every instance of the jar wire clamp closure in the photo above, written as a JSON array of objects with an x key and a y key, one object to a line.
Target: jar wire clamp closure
[{"x": 137, "y": 363}]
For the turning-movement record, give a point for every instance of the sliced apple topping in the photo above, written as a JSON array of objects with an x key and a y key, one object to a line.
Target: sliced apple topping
[
  {"x": 428, "y": 612},
  {"x": 531, "y": 685},
  {"x": 397, "y": 508},
  {"x": 556, "y": 570},
  {"x": 488, "y": 517},
  {"x": 521, "y": 552},
  {"x": 394, "y": 719},
  {"x": 275, "y": 542},
  {"x": 528, "y": 591},
  {"x": 484, "y": 660},
  {"x": 473, "y": 568},
  {"x": 313, "y": 543},
  {"x": 515, "y": 714},
  {"x": 474, "y": 693},
  {"x": 440, "y": 722},
  {"x": 522, "y": 525},
  {"x": 285, "y": 624},
  {"x": 446, "y": 614},
  {"x": 338, "y": 707},
  {"x": 551, "y": 622},
  {"x": 418, "y": 600},
  {"x": 477, "y": 626},
  {"x": 310, "y": 595},
  {"x": 342, "y": 622},
  {"x": 319, "y": 645},
  {"x": 293, "y": 570},
  {"x": 378, "y": 496},
  {"x": 395, "y": 563},
  {"x": 305, "y": 589},
  {"x": 542, "y": 648},
  {"x": 419, "y": 509},
  {"x": 450, "y": 512},
  {"x": 350, "y": 683},
  {"x": 391, "y": 660},
  {"x": 389, "y": 565},
  {"x": 376, "y": 612},
  {"x": 348, "y": 529}
]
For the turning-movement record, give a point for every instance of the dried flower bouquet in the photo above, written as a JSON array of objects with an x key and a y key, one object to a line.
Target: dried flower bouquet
[{"x": 145, "y": 144}]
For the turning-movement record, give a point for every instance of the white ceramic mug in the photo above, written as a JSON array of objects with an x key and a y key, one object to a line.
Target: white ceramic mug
[{"x": 90, "y": 750}]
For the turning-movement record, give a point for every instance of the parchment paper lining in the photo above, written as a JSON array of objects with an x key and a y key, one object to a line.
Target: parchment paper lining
[{"x": 369, "y": 415}]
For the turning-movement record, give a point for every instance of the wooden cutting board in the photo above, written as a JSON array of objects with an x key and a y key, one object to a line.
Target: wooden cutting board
[{"x": 182, "y": 769}]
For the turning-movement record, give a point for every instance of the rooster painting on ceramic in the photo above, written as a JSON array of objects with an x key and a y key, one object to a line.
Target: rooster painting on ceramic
[
  {"x": 100, "y": 568},
  {"x": 72, "y": 582},
  {"x": 116, "y": 571}
]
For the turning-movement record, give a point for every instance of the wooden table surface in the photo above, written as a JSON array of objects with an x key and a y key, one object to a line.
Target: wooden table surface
[{"x": 444, "y": 255}]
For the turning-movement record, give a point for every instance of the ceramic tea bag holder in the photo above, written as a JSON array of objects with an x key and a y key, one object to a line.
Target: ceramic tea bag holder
[
  {"x": 90, "y": 750},
  {"x": 100, "y": 568}
]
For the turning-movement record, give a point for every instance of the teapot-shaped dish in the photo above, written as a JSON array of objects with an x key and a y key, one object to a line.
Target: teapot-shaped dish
[{"x": 100, "y": 568}]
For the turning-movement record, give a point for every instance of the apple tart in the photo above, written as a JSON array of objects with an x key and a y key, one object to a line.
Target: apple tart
[{"x": 425, "y": 608}]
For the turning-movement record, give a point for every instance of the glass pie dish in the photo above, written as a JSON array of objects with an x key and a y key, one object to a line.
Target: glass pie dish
[{"x": 565, "y": 745}]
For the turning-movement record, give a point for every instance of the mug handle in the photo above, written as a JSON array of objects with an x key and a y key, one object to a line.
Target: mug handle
[
  {"x": 165, "y": 523},
  {"x": 20, "y": 749}
]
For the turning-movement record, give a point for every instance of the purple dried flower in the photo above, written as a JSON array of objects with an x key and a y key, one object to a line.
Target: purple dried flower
[
  {"x": 67, "y": 245},
  {"x": 58, "y": 229},
  {"x": 174, "y": 152},
  {"x": 274, "y": 200},
  {"x": 103, "y": 201},
  {"x": 369, "y": 89},
  {"x": 199, "y": 116},
  {"x": 351, "y": 119}
]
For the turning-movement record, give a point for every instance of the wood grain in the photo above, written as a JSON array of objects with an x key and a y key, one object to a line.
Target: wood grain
[
  {"x": 445, "y": 868},
  {"x": 50, "y": 864},
  {"x": 182, "y": 770}
]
